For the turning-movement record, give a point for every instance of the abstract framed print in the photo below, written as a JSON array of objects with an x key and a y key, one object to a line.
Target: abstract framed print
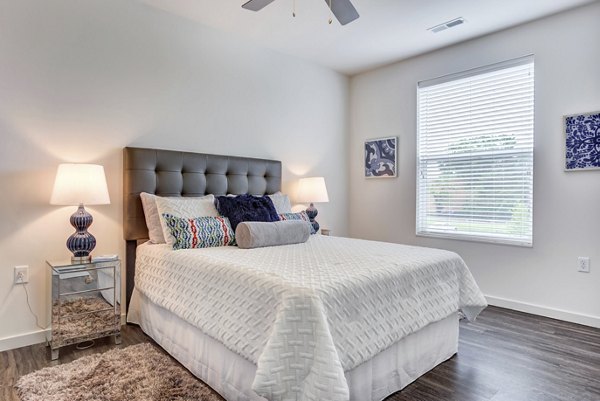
[
  {"x": 380, "y": 157},
  {"x": 582, "y": 141}
]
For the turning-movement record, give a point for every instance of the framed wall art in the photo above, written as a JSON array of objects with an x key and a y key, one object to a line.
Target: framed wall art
[
  {"x": 380, "y": 157},
  {"x": 582, "y": 141}
]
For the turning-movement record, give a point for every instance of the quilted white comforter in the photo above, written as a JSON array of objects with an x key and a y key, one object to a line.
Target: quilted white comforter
[{"x": 306, "y": 313}]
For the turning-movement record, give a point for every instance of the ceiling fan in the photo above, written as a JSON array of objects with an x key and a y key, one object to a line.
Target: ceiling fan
[{"x": 343, "y": 10}]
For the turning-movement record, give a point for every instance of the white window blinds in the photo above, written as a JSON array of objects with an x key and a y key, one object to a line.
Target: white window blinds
[{"x": 475, "y": 154}]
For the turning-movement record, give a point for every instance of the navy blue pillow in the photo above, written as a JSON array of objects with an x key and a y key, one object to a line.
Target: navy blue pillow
[{"x": 246, "y": 208}]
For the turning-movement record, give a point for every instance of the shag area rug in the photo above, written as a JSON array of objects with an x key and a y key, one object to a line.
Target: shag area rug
[{"x": 136, "y": 373}]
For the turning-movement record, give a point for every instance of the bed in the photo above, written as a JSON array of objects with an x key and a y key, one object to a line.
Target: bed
[{"x": 330, "y": 319}]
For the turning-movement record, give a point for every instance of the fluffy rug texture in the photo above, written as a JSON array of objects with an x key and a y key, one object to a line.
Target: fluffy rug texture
[{"x": 136, "y": 373}]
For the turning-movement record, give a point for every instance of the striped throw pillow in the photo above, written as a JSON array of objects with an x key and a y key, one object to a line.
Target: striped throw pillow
[
  {"x": 298, "y": 216},
  {"x": 200, "y": 232}
]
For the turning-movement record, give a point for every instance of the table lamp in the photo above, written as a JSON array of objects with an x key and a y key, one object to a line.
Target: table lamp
[
  {"x": 79, "y": 184},
  {"x": 313, "y": 190}
]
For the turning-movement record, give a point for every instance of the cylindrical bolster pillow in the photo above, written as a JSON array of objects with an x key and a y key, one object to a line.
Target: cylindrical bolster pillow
[{"x": 255, "y": 234}]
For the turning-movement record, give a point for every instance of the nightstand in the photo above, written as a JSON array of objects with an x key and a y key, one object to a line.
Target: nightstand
[
  {"x": 325, "y": 231},
  {"x": 86, "y": 302}
]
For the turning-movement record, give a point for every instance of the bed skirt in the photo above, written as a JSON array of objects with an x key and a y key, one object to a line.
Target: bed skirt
[{"x": 231, "y": 375}]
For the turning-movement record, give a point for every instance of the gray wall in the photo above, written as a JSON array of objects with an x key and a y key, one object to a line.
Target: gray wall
[
  {"x": 542, "y": 279},
  {"x": 81, "y": 79}
]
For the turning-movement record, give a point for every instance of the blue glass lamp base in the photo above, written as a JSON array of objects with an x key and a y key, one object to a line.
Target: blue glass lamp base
[
  {"x": 81, "y": 242},
  {"x": 312, "y": 212}
]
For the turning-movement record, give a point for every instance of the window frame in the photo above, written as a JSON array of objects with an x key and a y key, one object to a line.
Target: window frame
[{"x": 528, "y": 59}]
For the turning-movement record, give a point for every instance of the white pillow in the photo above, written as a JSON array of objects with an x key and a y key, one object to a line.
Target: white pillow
[
  {"x": 187, "y": 208},
  {"x": 155, "y": 232},
  {"x": 281, "y": 202}
]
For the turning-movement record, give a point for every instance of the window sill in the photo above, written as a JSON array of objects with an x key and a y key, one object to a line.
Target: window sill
[{"x": 472, "y": 238}]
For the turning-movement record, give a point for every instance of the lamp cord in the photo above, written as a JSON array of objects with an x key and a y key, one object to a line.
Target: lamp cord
[{"x": 37, "y": 321}]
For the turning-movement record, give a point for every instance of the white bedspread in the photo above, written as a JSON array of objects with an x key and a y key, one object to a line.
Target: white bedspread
[{"x": 306, "y": 313}]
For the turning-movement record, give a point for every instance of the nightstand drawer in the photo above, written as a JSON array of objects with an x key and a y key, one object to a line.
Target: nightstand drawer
[
  {"x": 81, "y": 304},
  {"x": 85, "y": 326}
]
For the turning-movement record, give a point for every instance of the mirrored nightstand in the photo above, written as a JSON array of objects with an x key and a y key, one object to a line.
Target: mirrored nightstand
[{"x": 86, "y": 302}]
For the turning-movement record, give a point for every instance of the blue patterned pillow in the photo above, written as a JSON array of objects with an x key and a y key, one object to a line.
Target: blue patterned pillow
[
  {"x": 298, "y": 216},
  {"x": 200, "y": 232},
  {"x": 246, "y": 208}
]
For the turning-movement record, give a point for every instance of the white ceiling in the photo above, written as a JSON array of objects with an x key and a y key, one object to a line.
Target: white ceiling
[{"x": 387, "y": 30}]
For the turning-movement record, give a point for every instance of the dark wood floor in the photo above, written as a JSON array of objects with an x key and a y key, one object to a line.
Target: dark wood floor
[{"x": 503, "y": 356}]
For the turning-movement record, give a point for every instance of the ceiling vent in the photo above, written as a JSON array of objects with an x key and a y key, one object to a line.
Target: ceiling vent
[{"x": 447, "y": 24}]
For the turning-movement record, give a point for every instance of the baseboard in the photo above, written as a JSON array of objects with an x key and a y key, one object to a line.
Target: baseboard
[
  {"x": 579, "y": 318},
  {"x": 33, "y": 337},
  {"x": 23, "y": 340}
]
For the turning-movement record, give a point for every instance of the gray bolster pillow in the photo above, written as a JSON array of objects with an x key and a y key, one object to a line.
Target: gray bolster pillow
[{"x": 257, "y": 234}]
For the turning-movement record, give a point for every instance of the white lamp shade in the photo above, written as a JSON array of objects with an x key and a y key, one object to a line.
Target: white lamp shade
[
  {"x": 312, "y": 189},
  {"x": 80, "y": 184}
]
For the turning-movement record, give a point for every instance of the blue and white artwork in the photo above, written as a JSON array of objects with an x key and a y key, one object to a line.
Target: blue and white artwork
[
  {"x": 582, "y": 141},
  {"x": 380, "y": 157}
]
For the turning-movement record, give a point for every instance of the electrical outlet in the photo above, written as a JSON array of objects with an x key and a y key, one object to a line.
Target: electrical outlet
[
  {"x": 21, "y": 274},
  {"x": 583, "y": 264}
]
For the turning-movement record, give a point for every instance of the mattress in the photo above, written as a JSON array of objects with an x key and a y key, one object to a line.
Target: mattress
[
  {"x": 305, "y": 314},
  {"x": 232, "y": 375}
]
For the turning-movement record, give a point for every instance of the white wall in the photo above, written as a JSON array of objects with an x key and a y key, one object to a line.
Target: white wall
[
  {"x": 542, "y": 279},
  {"x": 79, "y": 80}
]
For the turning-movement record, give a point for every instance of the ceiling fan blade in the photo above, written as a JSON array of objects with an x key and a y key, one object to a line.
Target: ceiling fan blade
[
  {"x": 256, "y": 5},
  {"x": 343, "y": 10}
]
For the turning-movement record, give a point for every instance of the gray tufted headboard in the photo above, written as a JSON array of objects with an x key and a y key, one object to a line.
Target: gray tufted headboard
[{"x": 175, "y": 173}]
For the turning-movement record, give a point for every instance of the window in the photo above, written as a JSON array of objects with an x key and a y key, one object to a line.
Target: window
[{"x": 475, "y": 154}]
